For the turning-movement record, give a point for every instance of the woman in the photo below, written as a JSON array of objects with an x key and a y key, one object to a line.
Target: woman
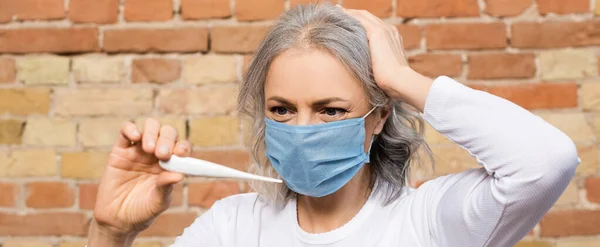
[{"x": 326, "y": 90}]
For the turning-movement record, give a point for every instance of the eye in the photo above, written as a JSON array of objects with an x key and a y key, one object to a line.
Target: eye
[
  {"x": 279, "y": 110},
  {"x": 333, "y": 112}
]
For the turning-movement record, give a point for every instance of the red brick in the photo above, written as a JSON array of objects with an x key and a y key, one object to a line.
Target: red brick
[
  {"x": 380, "y": 8},
  {"x": 94, "y": 11},
  {"x": 563, "y": 6},
  {"x": 411, "y": 35},
  {"x": 87, "y": 195},
  {"x": 465, "y": 36},
  {"x": 554, "y": 34},
  {"x": 148, "y": 10},
  {"x": 236, "y": 39},
  {"x": 54, "y": 40},
  {"x": 570, "y": 223},
  {"x": 592, "y": 185},
  {"x": 8, "y": 70},
  {"x": 506, "y": 7},
  {"x": 50, "y": 195},
  {"x": 156, "y": 40},
  {"x": 238, "y": 159},
  {"x": 43, "y": 224},
  {"x": 205, "y": 9},
  {"x": 32, "y": 9},
  {"x": 437, "y": 8},
  {"x": 294, "y": 3},
  {"x": 177, "y": 195},
  {"x": 433, "y": 65},
  {"x": 170, "y": 224},
  {"x": 248, "y": 10},
  {"x": 536, "y": 96},
  {"x": 207, "y": 193},
  {"x": 495, "y": 66},
  {"x": 155, "y": 70},
  {"x": 8, "y": 194}
]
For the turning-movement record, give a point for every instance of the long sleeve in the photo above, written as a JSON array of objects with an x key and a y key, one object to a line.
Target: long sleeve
[{"x": 527, "y": 164}]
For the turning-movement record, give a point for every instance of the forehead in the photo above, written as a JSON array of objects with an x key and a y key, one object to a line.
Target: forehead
[{"x": 310, "y": 75}]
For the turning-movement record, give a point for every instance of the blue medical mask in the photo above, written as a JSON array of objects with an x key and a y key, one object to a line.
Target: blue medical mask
[{"x": 317, "y": 160}]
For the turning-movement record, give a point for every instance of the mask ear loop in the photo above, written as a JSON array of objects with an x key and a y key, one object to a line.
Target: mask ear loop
[
  {"x": 374, "y": 136},
  {"x": 368, "y": 113}
]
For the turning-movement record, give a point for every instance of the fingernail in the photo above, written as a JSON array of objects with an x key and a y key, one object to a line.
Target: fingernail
[
  {"x": 150, "y": 143},
  {"x": 182, "y": 146},
  {"x": 135, "y": 134},
  {"x": 163, "y": 150}
]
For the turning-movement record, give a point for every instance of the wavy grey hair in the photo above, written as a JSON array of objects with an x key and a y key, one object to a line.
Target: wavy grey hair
[{"x": 328, "y": 28}]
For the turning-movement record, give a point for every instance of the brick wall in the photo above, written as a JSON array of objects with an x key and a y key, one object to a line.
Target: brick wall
[{"x": 72, "y": 70}]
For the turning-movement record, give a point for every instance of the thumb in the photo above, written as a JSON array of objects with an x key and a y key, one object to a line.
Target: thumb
[{"x": 167, "y": 179}]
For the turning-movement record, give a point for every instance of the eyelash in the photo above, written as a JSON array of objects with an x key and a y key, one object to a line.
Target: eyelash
[{"x": 338, "y": 110}]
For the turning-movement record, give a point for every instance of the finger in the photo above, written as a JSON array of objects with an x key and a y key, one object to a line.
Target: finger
[
  {"x": 367, "y": 15},
  {"x": 372, "y": 26},
  {"x": 151, "y": 128},
  {"x": 166, "y": 141},
  {"x": 167, "y": 178},
  {"x": 182, "y": 148},
  {"x": 128, "y": 134},
  {"x": 368, "y": 25}
]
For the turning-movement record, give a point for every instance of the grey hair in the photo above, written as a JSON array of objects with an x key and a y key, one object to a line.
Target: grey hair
[{"x": 328, "y": 28}]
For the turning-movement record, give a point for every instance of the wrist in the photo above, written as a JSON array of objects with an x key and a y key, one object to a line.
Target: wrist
[
  {"x": 102, "y": 235},
  {"x": 411, "y": 87}
]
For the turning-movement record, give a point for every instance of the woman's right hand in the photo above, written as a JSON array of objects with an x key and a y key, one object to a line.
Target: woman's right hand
[{"x": 134, "y": 189}]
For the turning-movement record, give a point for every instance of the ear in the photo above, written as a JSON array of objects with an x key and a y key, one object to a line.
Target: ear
[{"x": 384, "y": 113}]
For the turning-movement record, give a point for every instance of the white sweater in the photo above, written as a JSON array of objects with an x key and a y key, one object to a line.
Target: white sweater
[{"x": 527, "y": 163}]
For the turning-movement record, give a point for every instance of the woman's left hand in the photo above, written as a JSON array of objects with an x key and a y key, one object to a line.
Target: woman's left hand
[{"x": 390, "y": 65}]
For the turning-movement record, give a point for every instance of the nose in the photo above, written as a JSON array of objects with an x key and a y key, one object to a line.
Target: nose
[{"x": 306, "y": 117}]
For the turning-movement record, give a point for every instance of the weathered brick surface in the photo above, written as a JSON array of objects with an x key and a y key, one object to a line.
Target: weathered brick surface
[
  {"x": 103, "y": 101},
  {"x": 49, "y": 195},
  {"x": 210, "y": 69},
  {"x": 216, "y": 131},
  {"x": 43, "y": 70},
  {"x": 156, "y": 40},
  {"x": 155, "y": 70},
  {"x": 50, "y": 132},
  {"x": 500, "y": 65},
  {"x": 463, "y": 36},
  {"x": 506, "y": 7},
  {"x": 28, "y": 163},
  {"x": 98, "y": 69},
  {"x": 148, "y": 10},
  {"x": 554, "y": 34},
  {"x": 23, "y": 101},
  {"x": 94, "y": 11},
  {"x": 570, "y": 223},
  {"x": 203, "y": 100},
  {"x": 246, "y": 10},
  {"x": 437, "y": 8},
  {"x": 205, "y": 9},
  {"x": 55, "y": 40},
  {"x": 43, "y": 224},
  {"x": 8, "y": 194},
  {"x": 72, "y": 71},
  {"x": 8, "y": 70},
  {"x": 32, "y": 10},
  {"x": 83, "y": 165}
]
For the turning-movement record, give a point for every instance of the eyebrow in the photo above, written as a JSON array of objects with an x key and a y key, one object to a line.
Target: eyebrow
[{"x": 320, "y": 102}]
